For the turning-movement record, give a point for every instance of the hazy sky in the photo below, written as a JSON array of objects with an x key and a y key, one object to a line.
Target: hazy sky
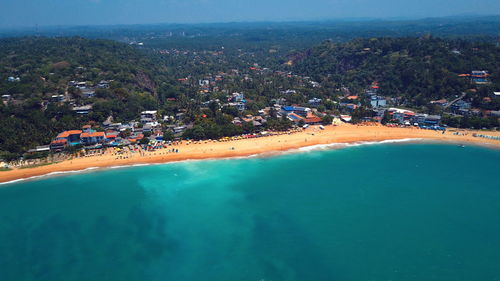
[{"x": 15, "y": 13}]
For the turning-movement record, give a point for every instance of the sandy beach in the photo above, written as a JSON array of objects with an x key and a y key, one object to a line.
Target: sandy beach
[{"x": 210, "y": 149}]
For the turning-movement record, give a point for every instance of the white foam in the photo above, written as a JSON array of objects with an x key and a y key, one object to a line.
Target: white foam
[
  {"x": 50, "y": 174},
  {"x": 351, "y": 144}
]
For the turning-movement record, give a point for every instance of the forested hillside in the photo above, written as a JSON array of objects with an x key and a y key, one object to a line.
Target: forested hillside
[
  {"x": 41, "y": 68},
  {"x": 416, "y": 69}
]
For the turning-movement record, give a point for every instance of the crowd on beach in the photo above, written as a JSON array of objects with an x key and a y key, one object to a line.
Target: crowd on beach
[{"x": 175, "y": 147}]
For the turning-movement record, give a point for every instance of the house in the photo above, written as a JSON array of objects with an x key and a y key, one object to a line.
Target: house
[
  {"x": 351, "y": 106},
  {"x": 237, "y": 121},
  {"x": 377, "y": 101},
  {"x": 148, "y": 116},
  {"x": 58, "y": 145},
  {"x": 314, "y": 102},
  {"x": 289, "y": 92},
  {"x": 399, "y": 116},
  {"x": 88, "y": 93},
  {"x": 13, "y": 79},
  {"x": 203, "y": 83},
  {"x": 441, "y": 102},
  {"x": 495, "y": 113},
  {"x": 315, "y": 84},
  {"x": 241, "y": 106},
  {"x": 111, "y": 135},
  {"x": 294, "y": 117},
  {"x": 72, "y": 137},
  {"x": 460, "y": 106},
  {"x": 41, "y": 148},
  {"x": 312, "y": 120},
  {"x": 419, "y": 118},
  {"x": 237, "y": 97},
  {"x": 81, "y": 85},
  {"x": 287, "y": 109},
  {"x": 432, "y": 120},
  {"x": 103, "y": 84},
  {"x": 302, "y": 111},
  {"x": 57, "y": 98},
  {"x": 480, "y": 76},
  {"x": 346, "y": 118},
  {"x": 87, "y": 129},
  {"x": 83, "y": 109},
  {"x": 92, "y": 138},
  {"x": 179, "y": 129}
]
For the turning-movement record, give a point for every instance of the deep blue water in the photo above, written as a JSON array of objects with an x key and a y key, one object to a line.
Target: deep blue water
[{"x": 376, "y": 212}]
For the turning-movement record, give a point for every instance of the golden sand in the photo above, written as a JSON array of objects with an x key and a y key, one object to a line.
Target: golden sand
[{"x": 206, "y": 150}]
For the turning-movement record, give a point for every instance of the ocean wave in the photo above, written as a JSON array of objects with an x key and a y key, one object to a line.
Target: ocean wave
[
  {"x": 58, "y": 173},
  {"x": 351, "y": 144}
]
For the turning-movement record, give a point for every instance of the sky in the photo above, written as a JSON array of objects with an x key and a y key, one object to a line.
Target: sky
[{"x": 25, "y": 13}]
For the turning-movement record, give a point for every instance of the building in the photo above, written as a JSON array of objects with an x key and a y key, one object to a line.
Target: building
[
  {"x": 460, "y": 106},
  {"x": 13, "y": 79},
  {"x": 377, "y": 101},
  {"x": 58, "y": 145},
  {"x": 72, "y": 137},
  {"x": 313, "y": 120},
  {"x": 419, "y": 118},
  {"x": 41, "y": 148},
  {"x": 148, "y": 116},
  {"x": 345, "y": 118},
  {"x": 92, "y": 138},
  {"x": 314, "y": 102},
  {"x": 480, "y": 76},
  {"x": 88, "y": 93},
  {"x": 495, "y": 113},
  {"x": 86, "y": 109},
  {"x": 179, "y": 129},
  {"x": 103, "y": 84},
  {"x": 57, "y": 98},
  {"x": 241, "y": 106},
  {"x": 441, "y": 102},
  {"x": 237, "y": 97},
  {"x": 294, "y": 117},
  {"x": 302, "y": 111},
  {"x": 432, "y": 120}
]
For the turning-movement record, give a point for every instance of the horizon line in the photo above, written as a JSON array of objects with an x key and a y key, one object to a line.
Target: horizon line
[{"x": 321, "y": 20}]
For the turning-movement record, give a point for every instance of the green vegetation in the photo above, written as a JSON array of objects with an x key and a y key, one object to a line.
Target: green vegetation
[
  {"x": 39, "y": 78},
  {"x": 45, "y": 67},
  {"x": 413, "y": 70}
]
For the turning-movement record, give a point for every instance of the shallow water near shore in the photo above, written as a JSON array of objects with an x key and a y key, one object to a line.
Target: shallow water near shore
[{"x": 374, "y": 212}]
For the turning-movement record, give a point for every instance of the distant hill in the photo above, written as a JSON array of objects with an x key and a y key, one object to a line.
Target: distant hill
[{"x": 46, "y": 65}]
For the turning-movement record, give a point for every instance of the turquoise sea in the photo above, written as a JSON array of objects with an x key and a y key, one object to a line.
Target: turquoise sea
[{"x": 406, "y": 211}]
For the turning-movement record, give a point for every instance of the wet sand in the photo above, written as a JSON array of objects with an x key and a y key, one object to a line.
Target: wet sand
[{"x": 211, "y": 150}]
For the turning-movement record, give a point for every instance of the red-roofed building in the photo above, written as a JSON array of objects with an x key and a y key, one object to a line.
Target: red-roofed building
[
  {"x": 92, "y": 138},
  {"x": 72, "y": 136},
  {"x": 58, "y": 145},
  {"x": 313, "y": 120},
  {"x": 295, "y": 117}
]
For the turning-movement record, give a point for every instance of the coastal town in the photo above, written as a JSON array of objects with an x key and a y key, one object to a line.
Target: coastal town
[
  {"x": 97, "y": 112},
  {"x": 152, "y": 130}
]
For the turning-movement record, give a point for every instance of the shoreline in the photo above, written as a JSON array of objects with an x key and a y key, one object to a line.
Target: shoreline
[{"x": 312, "y": 138}]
